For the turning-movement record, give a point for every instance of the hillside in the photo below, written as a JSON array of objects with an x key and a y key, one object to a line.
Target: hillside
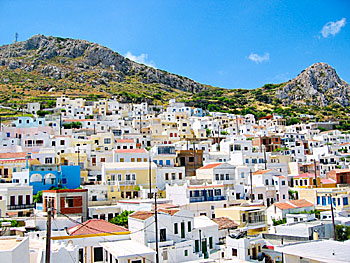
[{"x": 43, "y": 67}]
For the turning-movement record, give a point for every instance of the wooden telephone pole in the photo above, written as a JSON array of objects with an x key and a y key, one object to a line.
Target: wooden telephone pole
[
  {"x": 251, "y": 186},
  {"x": 48, "y": 233},
  {"x": 156, "y": 226}
]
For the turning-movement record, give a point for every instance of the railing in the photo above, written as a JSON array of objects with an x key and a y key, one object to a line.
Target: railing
[
  {"x": 208, "y": 198},
  {"x": 17, "y": 207}
]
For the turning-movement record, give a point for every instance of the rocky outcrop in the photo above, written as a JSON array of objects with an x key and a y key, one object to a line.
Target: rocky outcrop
[
  {"x": 75, "y": 57},
  {"x": 319, "y": 85}
]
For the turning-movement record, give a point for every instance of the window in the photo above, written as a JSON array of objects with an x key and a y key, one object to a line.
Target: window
[
  {"x": 69, "y": 202},
  {"x": 217, "y": 177},
  {"x": 81, "y": 255},
  {"x": 162, "y": 233},
  {"x": 64, "y": 180},
  {"x": 242, "y": 175},
  {"x": 283, "y": 182},
  {"x": 345, "y": 201},
  {"x": 103, "y": 160},
  {"x": 186, "y": 252},
  {"x": 196, "y": 246},
  {"x": 189, "y": 226},
  {"x": 248, "y": 251},
  {"x": 176, "y": 228},
  {"x": 234, "y": 252},
  {"x": 139, "y": 160},
  {"x": 107, "y": 140},
  {"x": 323, "y": 200},
  {"x": 48, "y": 160},
  {"x": 173, "y": 176},
  {"x": 98, "y": 254},
  {"x": 132, "y": 160},
  {"x": 166, "y": 176},
  {"x": 191, "y": 159},
  {"x": 211, "y": 242},
  {"x": 62, "y": 142},
  {"x": 217, "y": 191},
  {"x": 266, "y": 181},
  {"x": 167, "y": 162},
  {"x": 180, "y": 176}
]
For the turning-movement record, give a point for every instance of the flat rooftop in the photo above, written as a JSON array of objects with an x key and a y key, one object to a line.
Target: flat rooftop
[
  {"x": 9, "y": 243},
  {"x": 126, "y": 248}
]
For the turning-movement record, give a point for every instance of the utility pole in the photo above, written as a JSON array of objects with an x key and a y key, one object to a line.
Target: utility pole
[
  {"x": 332, "y": 213},
  {"x": 315, "y": 173},
  {"x": 140, "y": 121},
  {"x": 78, "y": 156},
  {"x": 48, "y": 234},
  {"x": 251, "y": 185},
  {"x": 194, "y": 159},
  {"x": 237, "y": 125},
  {"x": 218, "y": 148},
  {"x": 156, "y": 225},
  {"x": 265, "y": 157},
  {"x": 60, "y": 123},
  {"x": 150, "y": 174},
  {"x": 94, "y": 128}
]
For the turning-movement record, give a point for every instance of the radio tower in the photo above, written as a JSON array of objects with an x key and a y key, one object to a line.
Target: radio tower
[{"x": 16, "y": 37}]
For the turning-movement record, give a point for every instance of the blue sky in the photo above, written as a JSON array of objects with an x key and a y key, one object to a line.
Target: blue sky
[{"x": 231, "y": 44}]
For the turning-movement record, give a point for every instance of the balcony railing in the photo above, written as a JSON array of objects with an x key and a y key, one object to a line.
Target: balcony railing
[
  {"x": 208, "y": 198},
  {"x": 18, "y": 207}
]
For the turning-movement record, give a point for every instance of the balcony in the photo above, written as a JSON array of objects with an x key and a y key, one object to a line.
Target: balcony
[
  {"x": 19, "y": 207},
  {"x": 206, "y": 198}
]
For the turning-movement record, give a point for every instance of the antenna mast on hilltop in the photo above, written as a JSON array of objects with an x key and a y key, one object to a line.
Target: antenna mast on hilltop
[{"x": 16, "y": 37}]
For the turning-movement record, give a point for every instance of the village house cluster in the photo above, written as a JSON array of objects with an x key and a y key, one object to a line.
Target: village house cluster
[{"x": 202, "y": 186}]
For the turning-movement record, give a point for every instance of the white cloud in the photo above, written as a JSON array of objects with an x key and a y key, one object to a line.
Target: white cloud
[
  {"x": 333, "y": 28},
  {"x": 258, "y": 58},
  {"x": 143, "y": 59}
]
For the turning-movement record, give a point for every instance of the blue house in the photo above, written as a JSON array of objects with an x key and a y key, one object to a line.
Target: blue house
[{"x": 44, "y": 177}]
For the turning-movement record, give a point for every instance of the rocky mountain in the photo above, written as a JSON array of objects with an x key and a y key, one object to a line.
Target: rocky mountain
[
  {"x": 85, "y": 62},
  {"x": 44, "y": 67},
  {"x": 319, "y": 85}
]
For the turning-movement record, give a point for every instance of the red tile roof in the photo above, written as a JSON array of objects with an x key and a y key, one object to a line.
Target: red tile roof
[
  {"x": 13, "y": 155},
  {"x": 210, "y": 166},
  {"x": 327, "y": 181},
  {"x": 294, "y": 204},
  {"x": 301, "y": 203},
  {"x": 130, "y": 151},
  {"x": 225, "y": 223},
  {"x": 283, "y": 206},
  {"x": 95, "y": 226},
  {"x": 168, "y": 211},
  {"x": 125, "y": 141},
  {"x": 305, "y": 175},
  {"x": 263, "y": 171},
  {"x": 142, "y": 215}
]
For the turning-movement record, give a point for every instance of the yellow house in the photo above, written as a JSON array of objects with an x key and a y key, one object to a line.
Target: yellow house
[
  {"x": 306, "y": 180},
  {"x": 128, "y": 179},
  {"x": 102, "y": 141},
  {"x": 322, "y": 197},
  {"x": 251, "y": 217},
  {"x": 7, "y": 167}
]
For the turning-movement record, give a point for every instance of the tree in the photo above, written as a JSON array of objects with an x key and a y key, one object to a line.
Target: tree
[
  {"x": 38, "y": 198},
  {"x": 342, "y": 232},
  {"x": 122, "y": 219}
]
